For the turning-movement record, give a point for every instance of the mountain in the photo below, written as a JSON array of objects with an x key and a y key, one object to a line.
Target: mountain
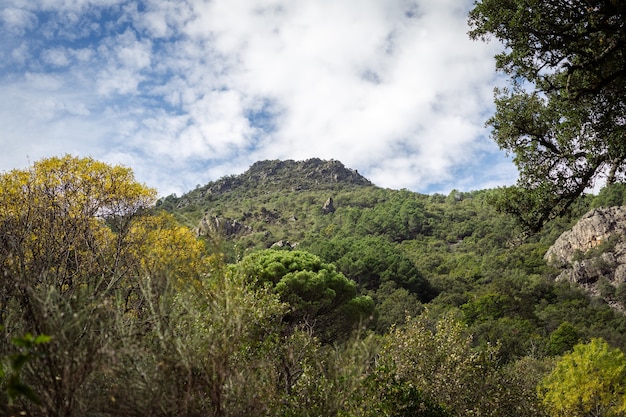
[
  {"x": 407, "y": 250},
  {"x": 276, "y": 175},
  {"x": 270, "y": 193}
]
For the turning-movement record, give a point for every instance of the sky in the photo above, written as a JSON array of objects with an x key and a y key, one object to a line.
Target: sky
[{"x": 187, "y": 91}]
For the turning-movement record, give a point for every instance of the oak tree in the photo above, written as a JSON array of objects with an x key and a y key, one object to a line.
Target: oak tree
[{"x": 562, "y": 116}]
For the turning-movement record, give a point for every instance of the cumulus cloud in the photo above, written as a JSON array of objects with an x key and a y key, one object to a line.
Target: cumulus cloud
[
  {"x": 187, "y": 91},
  {"x": 17, "y": 20},
  {"x": 388, "y": 85}
]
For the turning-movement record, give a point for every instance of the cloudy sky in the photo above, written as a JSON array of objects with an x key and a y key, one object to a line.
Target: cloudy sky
[{"x": 187, "y": 91}]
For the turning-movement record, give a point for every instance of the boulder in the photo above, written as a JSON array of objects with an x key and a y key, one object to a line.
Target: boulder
[
  {"x": 212, "y": 225},
  {"x": 328, "y": 206}
]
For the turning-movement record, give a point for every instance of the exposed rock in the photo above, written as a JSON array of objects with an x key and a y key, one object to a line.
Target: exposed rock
[
  {"x": 304, "y": 174},
  {"x": 328, "y": 206},
  {"x": 268, "y": 216},
  {"x": 212, "y": 225},
  {"x": 591, "y": 230},
  {"x": 284, "y": 244},
  {"x": 593, "y": 251}
]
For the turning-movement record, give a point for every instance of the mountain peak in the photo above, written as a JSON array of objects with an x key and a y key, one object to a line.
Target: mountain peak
[
  {"x": 276, "y": 176},
  {"x": 305, "y": 174}
]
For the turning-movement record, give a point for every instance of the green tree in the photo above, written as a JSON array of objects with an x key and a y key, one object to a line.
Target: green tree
[
  {"x": 371, "y": 261},
  {"x": 611, "y": 195},
  {"x": 563, "y": 116},
  {"x": 394, "y": 305},
  {"x": 437, "y": 358},
  {"x": 64, "y": 253},
  {"x": 563, "y": 339},
  {"x": 316, "y": 292},
  {"x": 11, "y": 385},
  {"x": 331, "y": 378},
  {"x": 590, "y": 381},
  {"x": 84, "y": 261},
  {"x": 387, "y": 395}
]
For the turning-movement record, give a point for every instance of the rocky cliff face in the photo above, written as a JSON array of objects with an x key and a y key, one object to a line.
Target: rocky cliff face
[
  {"x": 593, "y": 252},
  {"x": 303, "y": 174},
  {"x": 592, "y": 229}
]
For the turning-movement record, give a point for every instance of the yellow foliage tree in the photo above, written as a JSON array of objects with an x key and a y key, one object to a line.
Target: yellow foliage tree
[
  {"x": 81, "y": 254},
  {"x": 588, "y": 382}
]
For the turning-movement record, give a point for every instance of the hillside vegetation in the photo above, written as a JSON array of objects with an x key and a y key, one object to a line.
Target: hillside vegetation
[
  {"x": 293, "y": 289},
  {"x": 406, "y": 250}
]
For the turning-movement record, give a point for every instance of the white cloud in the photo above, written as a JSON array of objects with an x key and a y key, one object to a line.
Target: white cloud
[
  {"x": 312, "y": 58},
  {"x": 56, "y": 57},
  {"x": 19, "y": 55},
  {"x": 183, "y": 91},
  {"x": 17, "y": 20}
]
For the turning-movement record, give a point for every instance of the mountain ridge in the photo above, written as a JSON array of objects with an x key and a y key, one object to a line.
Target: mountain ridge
[
  {"x": 274, "y": 175},
  {"x": 409, "y": 250}
]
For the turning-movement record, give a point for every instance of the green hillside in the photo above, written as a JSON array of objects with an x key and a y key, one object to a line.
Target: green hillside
[
  {"x": 293, "y": 289},
  {"x": 406, "y": 250}
]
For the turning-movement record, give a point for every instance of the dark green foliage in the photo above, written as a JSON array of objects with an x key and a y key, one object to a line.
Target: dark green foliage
[
  {"x": 562, "y": 117},
  {"x": 316, "y": 292},
  {"x": 396, "y": 397},
  {"x": 620, "y": 294},
  {"x": 563, "y": 339},
  {"x": 12, "y": 388},
  {"x": 403, "y": 249},
  {"x": 611, "y": 195},
  {"x": 371, "y": 261},
  {"x": 395, "y": 304}
]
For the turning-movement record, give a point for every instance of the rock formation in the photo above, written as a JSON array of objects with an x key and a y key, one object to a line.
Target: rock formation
[
  {"x": 212, "y": 225},
  {"x": 593, "y": 251},
  {"x": 284, "y": 244},
  {"x": 591, "y": 230},
  {"x": 328, "y": 206}
]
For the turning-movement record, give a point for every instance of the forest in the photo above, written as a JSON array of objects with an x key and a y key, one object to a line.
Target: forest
[
  {"x": 393, "y": 303},
  {"x": 299, "y": 288}
]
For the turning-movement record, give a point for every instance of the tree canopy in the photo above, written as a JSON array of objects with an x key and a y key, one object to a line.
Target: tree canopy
[
  {"x": 315, "y": 291},
  {"x": 562, "y": 117},
  {"x": 109, "y": 306},
  {"x": 590, "y": 381}
]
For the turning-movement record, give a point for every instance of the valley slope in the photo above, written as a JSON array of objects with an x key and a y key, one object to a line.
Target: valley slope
[{"x": 408, "y": 251}]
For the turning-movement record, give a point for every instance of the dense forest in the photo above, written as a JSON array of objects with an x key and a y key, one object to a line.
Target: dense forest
[{"x": 295, "y": 288}]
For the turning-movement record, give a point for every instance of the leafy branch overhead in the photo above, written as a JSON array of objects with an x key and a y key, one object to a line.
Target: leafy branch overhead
[{"x": 563, "y": 116}]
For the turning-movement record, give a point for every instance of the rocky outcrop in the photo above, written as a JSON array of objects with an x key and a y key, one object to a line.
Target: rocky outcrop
[
  {"x": 214, "y": 225},
  {"x": 284, "y": 244},
  {"x": 328, "y": 206},
  {"x": 591, "y": 230},
  {"x": 267, "y": 177},
  {"x": 593, "y": 251},
  {"x": 299, "y": 175}
]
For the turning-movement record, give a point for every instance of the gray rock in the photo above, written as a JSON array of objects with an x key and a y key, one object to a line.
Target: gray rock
[
  {"x": 328, "y": 206},
  {"x": 591, "y": 230},
  {"x": 593, "y": 250},
  {"x": 284, "y": 244},
  {"x": 214, "y": 225}
]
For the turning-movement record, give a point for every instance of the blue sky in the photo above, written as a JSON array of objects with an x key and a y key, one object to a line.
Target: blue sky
[{"x": 187, "y": 91}]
